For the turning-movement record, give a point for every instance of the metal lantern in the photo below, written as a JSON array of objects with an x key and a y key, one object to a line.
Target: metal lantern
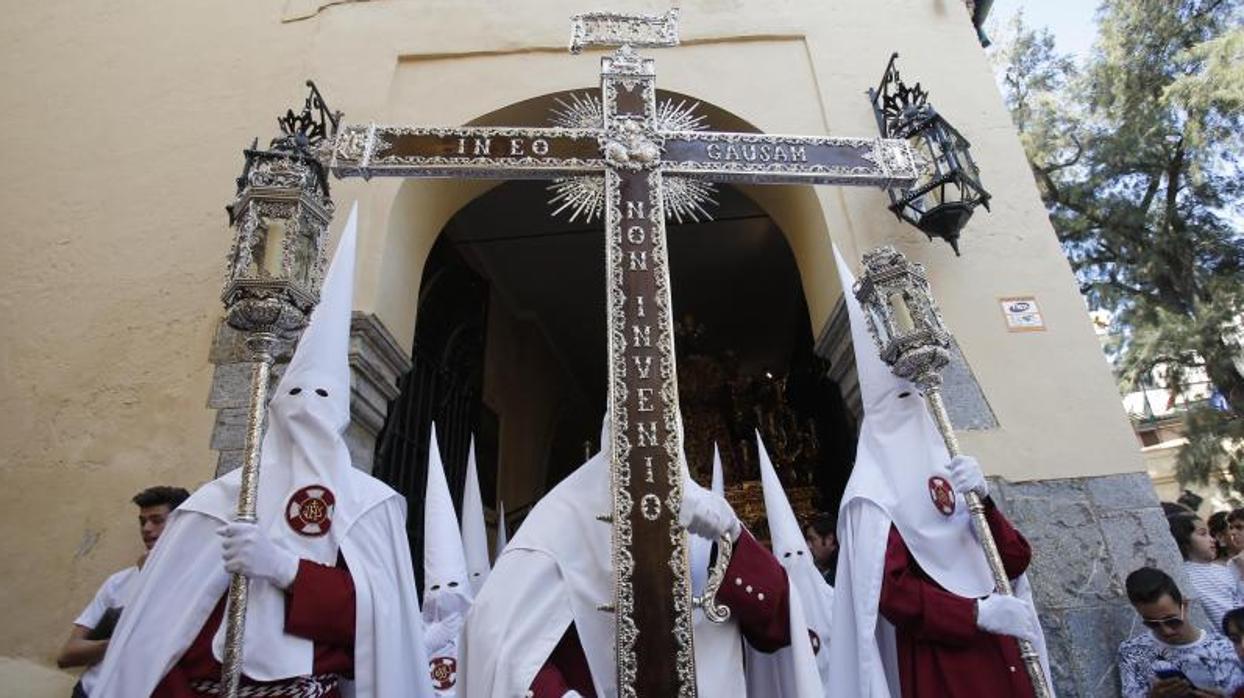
[
  {"x": 903, "y": 317},
  {"x": 949, "y": 188},
  {"x": 280, "y": 219}
]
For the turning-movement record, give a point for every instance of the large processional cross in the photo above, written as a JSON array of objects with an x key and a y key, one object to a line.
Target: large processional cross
[{"x": 652, "y": 594}]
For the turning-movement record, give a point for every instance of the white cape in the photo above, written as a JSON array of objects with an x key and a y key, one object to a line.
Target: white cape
[
  {"x": 557, "y": 571},
  {"x": 183, "y": 579}
]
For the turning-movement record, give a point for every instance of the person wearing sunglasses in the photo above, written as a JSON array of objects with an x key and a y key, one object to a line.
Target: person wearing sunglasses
[{"x": 1174, "y": 658}]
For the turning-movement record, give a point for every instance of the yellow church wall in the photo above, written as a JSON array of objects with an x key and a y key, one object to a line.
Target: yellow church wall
[
  {"x": 123, "y": 125},
  {"x": 121, "y": 130}
]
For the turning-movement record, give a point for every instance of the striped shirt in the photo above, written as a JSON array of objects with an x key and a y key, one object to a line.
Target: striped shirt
[{"x": 1217, "y": 587}]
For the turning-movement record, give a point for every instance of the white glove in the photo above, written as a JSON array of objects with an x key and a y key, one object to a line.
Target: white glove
[
  {"x": 248, "y": 551},
  {"x": 572, "y": 694},
  {"x": 1007, "y": 615},
  {"x": 442, "y": 632},
  {"x": 707, "y": 515},
  {"x": 966, "y": 476}
]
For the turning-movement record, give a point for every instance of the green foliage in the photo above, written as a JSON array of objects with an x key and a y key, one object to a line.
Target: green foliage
[{"x": 1137, "y": 154}]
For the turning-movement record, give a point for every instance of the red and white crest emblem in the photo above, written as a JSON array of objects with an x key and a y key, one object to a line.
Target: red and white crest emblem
[
  {"x": 942, "y": 494},
  {"x": 310, "y": 510},
  {"x": 816, "y": 641},
  {"x": 444, "y": 672}
]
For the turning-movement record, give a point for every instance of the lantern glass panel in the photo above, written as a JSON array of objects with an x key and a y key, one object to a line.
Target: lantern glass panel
[
  {"x": 304, "y": 255},
  {"x": 251, "y": 260},
  {"x": 269, "y": 248},
  {"x": 903, "y": 322},
  {"x": 880, "y": 323}
]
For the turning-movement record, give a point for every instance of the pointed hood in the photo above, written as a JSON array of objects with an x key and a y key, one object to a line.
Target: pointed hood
[
  {"x": 322, "y": 359},
  {"x": 791, "y": 550},
  {"x": 304, "y": 453},
  {"x": 789, "y": 545},
  {"x": 447, "y": 588},
  {"x": 474, "y": 535},
  {"x": 503, "y": 536}
]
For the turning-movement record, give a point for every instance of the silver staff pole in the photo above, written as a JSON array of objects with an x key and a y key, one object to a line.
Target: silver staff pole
[{"x": 280, "y": 220}]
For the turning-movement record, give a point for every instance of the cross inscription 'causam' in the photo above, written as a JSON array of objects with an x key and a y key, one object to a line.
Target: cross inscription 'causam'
[{"x": 652, "y": 596}]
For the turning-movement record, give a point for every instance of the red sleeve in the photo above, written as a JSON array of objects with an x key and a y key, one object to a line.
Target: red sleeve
[
  {"x": 319, "y": 605},
  {"x": 918, "y": 606},
  {"x": 564, "y": 670},
  {"x": 756, "y": 591},
  {"x": 1012, "y": 546},
  {"x": 549, "y": 682}
]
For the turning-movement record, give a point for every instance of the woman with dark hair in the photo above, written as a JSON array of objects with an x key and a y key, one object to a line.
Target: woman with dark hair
[{"x": 1216, "y": 586}]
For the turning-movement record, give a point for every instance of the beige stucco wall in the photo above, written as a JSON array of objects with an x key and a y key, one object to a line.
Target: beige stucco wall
[{"x": 122, "y": 126}]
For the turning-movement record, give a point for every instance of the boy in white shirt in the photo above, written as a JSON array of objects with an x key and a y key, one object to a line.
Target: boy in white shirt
[{"x": 88, "y": 640}]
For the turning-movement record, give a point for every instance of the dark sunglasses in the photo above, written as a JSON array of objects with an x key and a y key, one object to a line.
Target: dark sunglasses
[{"x": 1173, "y": 623}]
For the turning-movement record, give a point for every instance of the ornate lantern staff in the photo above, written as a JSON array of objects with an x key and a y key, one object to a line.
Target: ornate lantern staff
[
  {"x": 907, "y": 326},
  {"x": 279, "y": 217}
]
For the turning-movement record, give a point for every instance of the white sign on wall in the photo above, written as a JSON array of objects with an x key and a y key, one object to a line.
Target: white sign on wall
[{"x": 1022, "y": 314}]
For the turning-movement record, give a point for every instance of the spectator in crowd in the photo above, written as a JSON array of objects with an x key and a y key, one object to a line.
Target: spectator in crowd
[
  {"x": 1175, "y": 658},
  {"x": 822, "y": 538},
  {"x": 1218, "y": 529},
  {"x": 1233, "y": 628},
  {"x": 88, "y": 639},
  {"x": 1216, "y": 586},
  {"x": 1235, "y": 532}
]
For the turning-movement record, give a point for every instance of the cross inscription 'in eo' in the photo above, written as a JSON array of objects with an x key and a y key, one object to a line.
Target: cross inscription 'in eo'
[{"x": 652, "y": 593}]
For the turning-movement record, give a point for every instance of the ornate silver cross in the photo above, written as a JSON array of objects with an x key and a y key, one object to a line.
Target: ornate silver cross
[{"x": 652, "y": 593}]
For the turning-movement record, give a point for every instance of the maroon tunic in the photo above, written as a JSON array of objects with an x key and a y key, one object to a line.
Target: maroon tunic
[
  {"x": 319, "y": 606},
  {"x": 941, "y": 652},
  {"x": 755, "y": 590}
]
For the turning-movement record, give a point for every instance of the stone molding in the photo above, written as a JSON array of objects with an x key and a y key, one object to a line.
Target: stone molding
[{"x": 376, "y": 362}]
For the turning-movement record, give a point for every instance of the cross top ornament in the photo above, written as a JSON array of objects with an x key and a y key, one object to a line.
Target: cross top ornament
[{"x": 623, "y": 30}]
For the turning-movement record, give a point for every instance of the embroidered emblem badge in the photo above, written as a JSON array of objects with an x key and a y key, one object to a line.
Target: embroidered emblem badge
[
  {"x": 444, "y": 672},
  {"x": 310, "y": 510},
  {"x": 816, "y": 641},
  {"x": 942, "y": 494}
]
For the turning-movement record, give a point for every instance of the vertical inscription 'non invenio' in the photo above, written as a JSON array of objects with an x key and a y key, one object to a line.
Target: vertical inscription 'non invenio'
[{"x": 637, "y": 248}]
